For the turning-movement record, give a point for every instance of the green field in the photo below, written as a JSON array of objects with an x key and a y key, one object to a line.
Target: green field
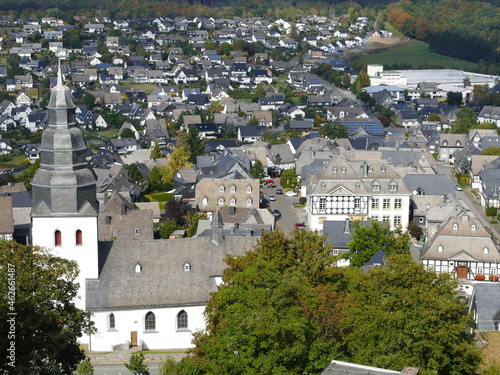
[
  {"x": 416, "y": 53},
  {"x": 13, "y": 161}
]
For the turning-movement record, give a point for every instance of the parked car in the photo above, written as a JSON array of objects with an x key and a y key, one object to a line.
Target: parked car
[
  {"x": 291, "y": 194},
  {"x": 271, "y": 185},
  {"x": 277, "y": 213},
  {"x": 272, "y": 198},
  {"x": 300, "y": 225},
  {"x": 458, "y": 188},
  {"x": 279, "y": 191}
]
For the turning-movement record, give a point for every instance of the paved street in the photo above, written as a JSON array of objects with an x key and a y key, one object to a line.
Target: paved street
[
  {"x": 121, "y": 370},
  {"x": 289, "y": 215}
]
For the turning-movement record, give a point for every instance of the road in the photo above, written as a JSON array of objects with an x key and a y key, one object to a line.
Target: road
[
  {"x": 289, "y": 215},
  {"x": 122, "y": 370}
]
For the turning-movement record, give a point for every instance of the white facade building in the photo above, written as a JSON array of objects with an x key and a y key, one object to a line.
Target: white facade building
[{"x": 357, "y": 190}]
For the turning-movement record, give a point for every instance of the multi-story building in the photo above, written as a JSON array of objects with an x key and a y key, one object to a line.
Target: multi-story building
[{"x": 357, "y": 190}]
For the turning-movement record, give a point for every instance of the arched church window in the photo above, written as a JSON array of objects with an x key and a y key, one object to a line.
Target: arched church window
[
  {"x": 182, "y": 320},
  {"x": 150, "y": 321},
  {"x": 79, "y": 237},
  {"x": 57, "y": 238}
]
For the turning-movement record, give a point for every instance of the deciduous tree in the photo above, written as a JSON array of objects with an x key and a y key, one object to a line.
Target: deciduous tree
[
  {"x": 276, "y": 312},
  {"x": 404, "y": 315},
  {"x": 334, "y": 130},
  {"x": 40, "y": 290}
]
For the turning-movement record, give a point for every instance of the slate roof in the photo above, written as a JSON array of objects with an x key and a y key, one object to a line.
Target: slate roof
[
  {"x": 162, "y": 281},
  {"x": 487, "y": 305},
  {"x": 429, "y": 184}
]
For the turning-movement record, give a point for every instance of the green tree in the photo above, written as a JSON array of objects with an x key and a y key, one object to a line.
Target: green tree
[
  {"x": 136, "y": 363},
  {"x": 85, "y": 368},
  {"x": 156, "y": 152},
  {"x": 367, "y": 239},
  {"x": 276, "y": 312},
  {"x": 434, "y": 117},
  {"x": 495, "y": 151},
  {"x": 28, "y": 174},
  {"x": 362, "y": 80},
  {"x": 454, "y": 98},
  {"x": 466, "y": 120},
  {"x": 257, "y": 170},
  {"x": 128, "y": 133},
  {"x": 134, "y": 173},
  {"x": 167, "y": 228},
  {"x": 404, "y": 315},
  {"x": 195, "y": 144},
  {"x": 334, "y": 130},
  {"x": 40, "y": 289},
  {"x": 289, "y": 179},
  {"x": 176, "y": 160}
]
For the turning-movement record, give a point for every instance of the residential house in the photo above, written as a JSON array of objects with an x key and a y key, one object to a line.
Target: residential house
[
  {"x": 251, "y": 133},
  {"x": 368, "y": 189},
  {"x": 463, "y": 247},
  {"x": 120, "y": 220}
]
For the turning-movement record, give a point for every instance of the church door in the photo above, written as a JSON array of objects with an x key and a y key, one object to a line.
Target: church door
[{"x": 133, "y": 339}]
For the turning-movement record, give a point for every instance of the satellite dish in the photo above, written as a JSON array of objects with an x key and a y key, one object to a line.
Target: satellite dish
[{"x": 415, "y": 192}]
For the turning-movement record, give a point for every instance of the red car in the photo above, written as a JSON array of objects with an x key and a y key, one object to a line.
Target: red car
[{"x": 300, "y": 225}]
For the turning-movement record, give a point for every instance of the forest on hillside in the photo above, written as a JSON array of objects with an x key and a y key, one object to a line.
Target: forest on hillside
[{"x": 466, "y": 30}]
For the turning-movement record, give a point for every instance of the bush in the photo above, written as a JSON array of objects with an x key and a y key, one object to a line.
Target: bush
[
  {"x": 136, "y": 363},
  {"x": 303, "y": 201},
  {"x": 491, "y": 211},
  {"x": 85, "y": 368},
  {"x": 415, "y": 230}
]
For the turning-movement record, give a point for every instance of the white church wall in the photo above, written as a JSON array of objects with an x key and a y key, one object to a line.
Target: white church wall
[{"x": 166, "y": 334}]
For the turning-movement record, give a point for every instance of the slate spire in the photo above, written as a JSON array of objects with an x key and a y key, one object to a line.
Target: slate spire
[{"x": 63, "y": 185}]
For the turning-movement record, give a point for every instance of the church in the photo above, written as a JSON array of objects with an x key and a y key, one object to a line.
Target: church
[{"x": 144, "y": 293}]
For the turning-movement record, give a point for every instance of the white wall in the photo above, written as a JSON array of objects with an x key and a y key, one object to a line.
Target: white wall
[
  {"x": 165, "y": 336},
  {"x": 86, "y": 255}
]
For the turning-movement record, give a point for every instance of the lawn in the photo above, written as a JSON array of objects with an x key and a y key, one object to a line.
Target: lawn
[
  {"x": 110, "y": 133},
  {"x": 416, "y": 53},
  {"x": 162, "y": 198},
  {"x": 14, "y": 161},
  {"x": 490, "y": 353}
]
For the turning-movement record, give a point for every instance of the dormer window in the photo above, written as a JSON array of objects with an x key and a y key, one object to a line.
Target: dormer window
[
  {"x": 375, "y": 186},
  {"x": 221, "y": 189},
  {"x": 445, "y": 143},
  {"x": 358, "y": 186},
  {"x": 458, "y": 143},
  {"x": 232, "y": 202},
  {"x": 138, "y": 268},
  {"x": 323, "y": 186},
  {"x": 187, "y": 267},
  {"x": 232, "y": 189},
  {"x": 440, "y": 248},
  {"x": 393, "y": 186},
  {"x": 334, "y": 170},
  {"x": 249, "y": 190},
  {"x": 472, "y": 227},
  {"x": 383, "y": 169},
  {"x": 221, "y": 202},
  {"x": 204, "y": 201},
  {"x": 455, "y": 226},
  {"x": 486, "y": 250},
  {"x": 249, "y": 202},
  {"x": 370, "y": 169},
  {"x": 344, "y": 170}
]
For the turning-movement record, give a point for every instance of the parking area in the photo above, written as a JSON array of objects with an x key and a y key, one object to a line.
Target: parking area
[{"x": 289, "y": 214}]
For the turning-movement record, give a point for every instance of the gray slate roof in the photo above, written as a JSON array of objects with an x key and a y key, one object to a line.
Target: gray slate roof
[
  {"x": 487, "y": 305},
  {"x": 162, "y": 281}
]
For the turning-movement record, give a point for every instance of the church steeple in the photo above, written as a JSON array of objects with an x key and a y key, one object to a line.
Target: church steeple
[{"x": 63, "y": 186}]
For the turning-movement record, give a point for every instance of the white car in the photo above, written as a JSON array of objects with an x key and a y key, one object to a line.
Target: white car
[{"x": 291, "y": 194}]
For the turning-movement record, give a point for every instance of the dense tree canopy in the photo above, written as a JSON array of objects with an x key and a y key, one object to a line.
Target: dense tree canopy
[
  {"x": 277, "y": 311},
  {"x": 285, "y": 309},
  {"x": 334, "y": 130},
  {"x": 40, "y": 289},
  {"x": 404, "y": 315}
]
